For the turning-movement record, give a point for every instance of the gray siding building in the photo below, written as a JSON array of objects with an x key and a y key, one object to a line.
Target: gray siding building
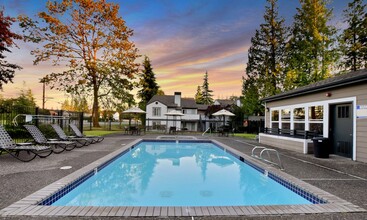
[{"x": 335, "y": 108}]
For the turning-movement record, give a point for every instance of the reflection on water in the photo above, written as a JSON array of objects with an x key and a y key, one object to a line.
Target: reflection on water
[{"x": 178, "y": 174}]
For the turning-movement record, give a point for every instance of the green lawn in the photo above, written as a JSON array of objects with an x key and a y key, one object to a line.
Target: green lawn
[
  {"x": 103, "y": 131},
  {"x": 245, "y": 135},
  {"x": 100, "y": 132}
]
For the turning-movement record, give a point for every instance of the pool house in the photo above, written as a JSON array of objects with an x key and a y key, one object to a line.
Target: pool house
[{"x": 335, "y": 108}]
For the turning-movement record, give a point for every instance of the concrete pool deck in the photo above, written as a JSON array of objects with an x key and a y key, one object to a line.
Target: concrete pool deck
[{"x": 341, "y": 177}]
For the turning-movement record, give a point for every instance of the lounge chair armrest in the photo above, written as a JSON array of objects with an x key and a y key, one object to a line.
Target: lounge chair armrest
[
  {"x": 53, "y": 139},
  {"x": 24, "y": 144}
]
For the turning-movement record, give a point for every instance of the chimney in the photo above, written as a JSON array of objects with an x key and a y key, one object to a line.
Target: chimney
[{"x": 178, "y": 99}]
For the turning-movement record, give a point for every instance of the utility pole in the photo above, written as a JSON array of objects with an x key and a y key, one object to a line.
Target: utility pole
[{"x": 44, "y": 80}]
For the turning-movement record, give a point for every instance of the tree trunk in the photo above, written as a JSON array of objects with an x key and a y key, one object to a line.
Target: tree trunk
[{"x": 95, "y": 107}]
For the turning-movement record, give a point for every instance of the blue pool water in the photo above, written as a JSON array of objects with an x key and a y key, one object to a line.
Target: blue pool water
[{"x": 179, "y": 174}]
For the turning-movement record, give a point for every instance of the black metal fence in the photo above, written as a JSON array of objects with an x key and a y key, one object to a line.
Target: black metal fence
[
  {"x": 254, "y": 127},
  {"x": 12, "y": 118},
  {"x": 291, "y": 133}
]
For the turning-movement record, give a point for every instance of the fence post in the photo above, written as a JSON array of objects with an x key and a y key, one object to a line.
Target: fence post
[
  {"x": 36, "y": 120},
  {"x": 60, "y": 113},
  {"x": 81, "y": 119},
  {"x": 147, "y": 124}
]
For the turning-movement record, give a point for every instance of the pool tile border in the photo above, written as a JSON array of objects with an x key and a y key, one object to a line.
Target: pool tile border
[{"x": 28, "y": 206}]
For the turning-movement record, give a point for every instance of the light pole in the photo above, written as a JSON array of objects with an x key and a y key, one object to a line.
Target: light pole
[{"x": 44, "y": 80}]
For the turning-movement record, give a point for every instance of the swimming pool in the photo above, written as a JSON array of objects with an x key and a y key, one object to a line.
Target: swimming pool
[
  {"x": 179, "y": 174},
  {"x": 40, "y": 202}
]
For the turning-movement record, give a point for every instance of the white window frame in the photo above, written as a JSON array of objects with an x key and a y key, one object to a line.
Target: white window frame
[
  {"x": 299, "y": 122},
  {"x": 156, "y": 110},
  {"x": 271, "y": 117}
]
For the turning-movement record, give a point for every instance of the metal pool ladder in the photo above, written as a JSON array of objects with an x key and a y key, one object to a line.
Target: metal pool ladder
[
  {"x": 207, "y": 130},
  {"x": 267, "y": 150}
]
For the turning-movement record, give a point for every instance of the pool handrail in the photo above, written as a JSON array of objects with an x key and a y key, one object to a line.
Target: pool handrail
[
  {"x": 206, "y": 131},
  {"x": 267, "y": 150}
]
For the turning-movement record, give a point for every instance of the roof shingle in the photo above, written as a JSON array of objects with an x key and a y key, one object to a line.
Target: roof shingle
[{"x": 168, "y": 100}]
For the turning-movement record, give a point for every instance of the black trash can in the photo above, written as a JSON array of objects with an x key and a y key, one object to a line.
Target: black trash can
[{"x": 321, "y": 147}]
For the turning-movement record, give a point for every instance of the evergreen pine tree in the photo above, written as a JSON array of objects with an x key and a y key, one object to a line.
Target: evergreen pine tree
[
  {"x": 353, "y": 40},
  {"x": 251, "y": 103},
  {"x": 266, "y": 55},
  {"x": 199, "y": 96},
  {"x": 206, "y": 92},
  {"x": 148, "y": 84},
  {"x": 310, "y": 51},
  {"x": 266, "y": 61}
]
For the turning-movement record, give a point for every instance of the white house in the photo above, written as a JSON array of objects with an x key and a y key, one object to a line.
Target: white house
[{"x": 159, "y": 105}]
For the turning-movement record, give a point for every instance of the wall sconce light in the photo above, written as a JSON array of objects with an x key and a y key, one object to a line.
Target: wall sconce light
[
  {"x": 267, "y": 109},
  {"x": 328, "y": 94}
]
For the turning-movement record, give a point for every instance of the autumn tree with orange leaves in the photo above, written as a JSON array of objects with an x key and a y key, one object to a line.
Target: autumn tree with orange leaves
[
  {"x": 93, "y": 41},
  {"x": 7, "y": 37}
]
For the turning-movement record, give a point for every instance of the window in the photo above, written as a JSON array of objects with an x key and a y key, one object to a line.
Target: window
[
  {"x": 317, "y": 128},
  {"x": 156, "y": 111},
  {"x": 316, "y": 113},
  {"x": 316, "y": 117},
  {"x": 299, "y": 119},
  {"x": 295, "y": 118},
  {"x": 286, "y": 118},
  {"x": 299, "y": 114},
  {"x": 275, "y": 119},
  {"x": 275, "y": 115},
  {"x": 188, "y": 111},
  {"x": 299, "y": 126},
  {"x": 286, "y": 114},
  {"x": 343, "y": 111}
]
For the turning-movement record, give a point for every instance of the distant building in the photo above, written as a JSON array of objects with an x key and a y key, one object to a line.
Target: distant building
[
  {"x": 196, "y": 117},
  {"x": 159, "y": 105},
  {"x": 225, "y": 103}
]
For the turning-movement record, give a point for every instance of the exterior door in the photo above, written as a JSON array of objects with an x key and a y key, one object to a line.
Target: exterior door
[{"x": 342, "y": 130}]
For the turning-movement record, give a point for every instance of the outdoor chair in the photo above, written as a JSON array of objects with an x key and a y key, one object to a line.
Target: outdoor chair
[
  {"x": 58, "y": 146},
  {"x": 172, "y": 130},
  {"x": 80, "y": 141},
  {"x": 223, "y": 131},
  {"x": 78, "y": 133},
  {"x": 23, "y": 151}
]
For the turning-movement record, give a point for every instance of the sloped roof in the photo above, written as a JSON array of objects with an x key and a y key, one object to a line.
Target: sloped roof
[
  {"x": 330, "y": 83},
  {"x": 225, "y": 102},
  {"x": 169, "y": 101},
  {"x": 202, "y": 107}
]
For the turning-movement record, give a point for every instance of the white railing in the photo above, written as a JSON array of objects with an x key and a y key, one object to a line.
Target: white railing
[
  {"x": 29, "y": 118},
  {"x": 270, "y": 160},
  {"x": 206, "y": 131}
]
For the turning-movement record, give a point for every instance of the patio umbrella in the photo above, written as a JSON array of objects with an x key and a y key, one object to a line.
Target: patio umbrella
[
  {"x": 134, "y": 110},
  {"x": 223, "y": 113},
  {"x": 173, "y": 113}
]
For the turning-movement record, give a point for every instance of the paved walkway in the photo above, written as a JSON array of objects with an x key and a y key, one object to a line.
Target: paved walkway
[{"x": 339, "y": 176}]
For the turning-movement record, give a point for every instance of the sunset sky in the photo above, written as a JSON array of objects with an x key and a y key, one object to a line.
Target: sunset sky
[{"x": 183, "y": 39}]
